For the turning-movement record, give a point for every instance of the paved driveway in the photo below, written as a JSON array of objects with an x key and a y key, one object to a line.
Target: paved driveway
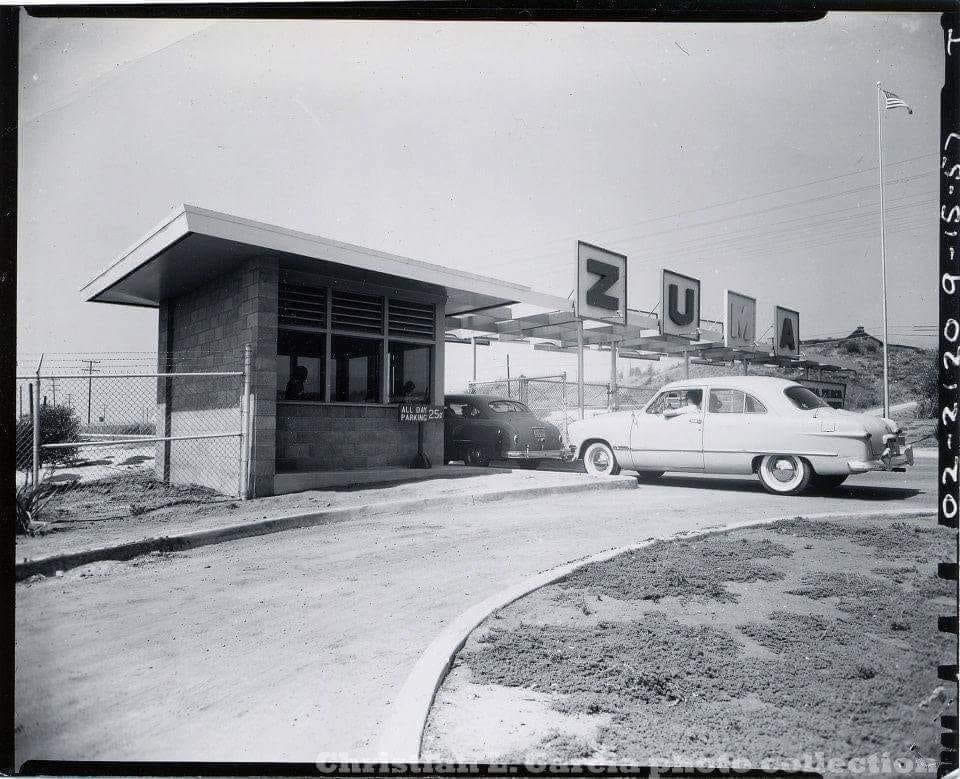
[{"x": 282, "y": 647}]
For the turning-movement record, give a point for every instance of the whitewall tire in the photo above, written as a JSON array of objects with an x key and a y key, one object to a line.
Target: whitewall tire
[
  {"x": 599, "y": 460},
  {"x": 784, "y": 474}
]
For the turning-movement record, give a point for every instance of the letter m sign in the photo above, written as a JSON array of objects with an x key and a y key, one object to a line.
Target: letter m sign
[{"x": 601, "y": 284}]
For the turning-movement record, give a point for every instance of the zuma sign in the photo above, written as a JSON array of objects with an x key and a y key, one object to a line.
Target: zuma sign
[
  {"x": 741, "y": 329},
  {"x": 786, "y": 332},
  {"x": 679, "y": 305},
  {"x": 601, "y": 284}
]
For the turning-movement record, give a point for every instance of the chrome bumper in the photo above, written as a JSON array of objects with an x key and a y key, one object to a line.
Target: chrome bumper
[
  {"x": 885, "y": 463},
  {"x": 533, "y": 454}
]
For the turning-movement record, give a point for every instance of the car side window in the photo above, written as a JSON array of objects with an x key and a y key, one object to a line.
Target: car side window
[
  {"x": 665, "y": 400},
  {"x": 455, "y": 409},
  {"x": 754, "y": 406},
  {"x": 726, "y": 401},
  {"x": 675, "y": 399}
]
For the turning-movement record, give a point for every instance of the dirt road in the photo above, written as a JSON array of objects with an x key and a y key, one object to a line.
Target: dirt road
[{"x": 289, "y": 646}]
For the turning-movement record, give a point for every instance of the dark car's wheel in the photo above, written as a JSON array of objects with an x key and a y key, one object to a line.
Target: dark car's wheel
[
  {"x": 784, "y": 474},
  {"x": 599, "y": 460},
  {"x": 477, "y": 456},
  {"x": 829, "y": 481}
]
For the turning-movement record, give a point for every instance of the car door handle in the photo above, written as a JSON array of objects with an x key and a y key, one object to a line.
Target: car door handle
[{"x": 694, "y": 420}]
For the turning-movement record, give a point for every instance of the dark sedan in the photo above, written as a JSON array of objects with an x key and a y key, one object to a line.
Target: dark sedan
[{"x": 481, "y": 428}]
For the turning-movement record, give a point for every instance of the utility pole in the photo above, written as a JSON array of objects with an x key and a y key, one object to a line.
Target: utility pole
[
  {"x": 70, "y": 399},
  {"x": 90, "y": 370},
  {"x": 53, "y": 386}
]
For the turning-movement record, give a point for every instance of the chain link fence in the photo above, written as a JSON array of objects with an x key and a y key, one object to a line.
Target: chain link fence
[
  {"x": 111, "y": 420},
  {"x": 555, "y": 398}
]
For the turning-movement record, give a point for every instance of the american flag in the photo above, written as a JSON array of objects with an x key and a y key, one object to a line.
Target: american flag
[{"x": 892, "y": 101}]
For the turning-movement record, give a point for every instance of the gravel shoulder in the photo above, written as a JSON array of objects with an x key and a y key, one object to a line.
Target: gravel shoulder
[{"x": 801, "y": 638}]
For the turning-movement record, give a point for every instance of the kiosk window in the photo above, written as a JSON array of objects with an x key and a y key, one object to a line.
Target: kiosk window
[
  {"x": 300, "y": 365},
  {"x": 356, "y": 369},
  {"x": 410, "y": 372}
]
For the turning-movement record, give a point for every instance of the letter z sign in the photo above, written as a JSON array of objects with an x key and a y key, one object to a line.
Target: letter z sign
[{"x": 601, "y": 284}]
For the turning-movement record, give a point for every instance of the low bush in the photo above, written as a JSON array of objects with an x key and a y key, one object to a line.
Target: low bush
[{"x": 58, "y": 425}]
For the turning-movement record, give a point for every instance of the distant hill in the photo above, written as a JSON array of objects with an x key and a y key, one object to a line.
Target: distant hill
[{"x": 913, "y": 371}]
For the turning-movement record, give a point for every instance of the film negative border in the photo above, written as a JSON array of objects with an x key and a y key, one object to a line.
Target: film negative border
[{"x": 949, "y": 348}]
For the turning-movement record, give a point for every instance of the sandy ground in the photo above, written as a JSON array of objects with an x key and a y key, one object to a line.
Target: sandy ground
[
  {"x": 765, "y": 644},
  {"x": 133, "y": 507},
  {"x": 289, "y": 646}
]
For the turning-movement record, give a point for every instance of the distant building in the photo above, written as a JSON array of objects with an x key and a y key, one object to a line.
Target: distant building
[{"x": 865, "y": 339}]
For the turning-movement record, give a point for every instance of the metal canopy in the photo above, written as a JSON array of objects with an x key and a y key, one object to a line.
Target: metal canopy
[{"x": 194, "y": 245}]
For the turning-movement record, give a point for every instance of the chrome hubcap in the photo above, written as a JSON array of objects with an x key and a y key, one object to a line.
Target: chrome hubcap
[
  {"x": 784, "y": 470},
  {"x": 600, "y": 459}
]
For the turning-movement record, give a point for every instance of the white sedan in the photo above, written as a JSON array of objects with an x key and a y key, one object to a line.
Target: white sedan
[{"x": 775, "y": 428}]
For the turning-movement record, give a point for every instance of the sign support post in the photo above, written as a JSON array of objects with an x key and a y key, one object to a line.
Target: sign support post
[
  {"x": 580, "y": 366},
  {"x": 420, "y": 413},
  {"x": 614, "y": 391}
]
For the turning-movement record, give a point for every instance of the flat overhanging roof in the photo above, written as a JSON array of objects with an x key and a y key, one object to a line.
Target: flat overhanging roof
[{"x": 195, "y": 245}]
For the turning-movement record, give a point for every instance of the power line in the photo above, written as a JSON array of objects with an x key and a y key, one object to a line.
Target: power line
[
  {"x": 754, "y": 234},
  {"x": 624, "y": 242},
  {"x": 685, "y": 212}
]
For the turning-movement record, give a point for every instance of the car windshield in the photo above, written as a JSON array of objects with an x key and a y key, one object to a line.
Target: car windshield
[
  {"x": 507, "y": 407},
  {"x": 804, "y": 399}
]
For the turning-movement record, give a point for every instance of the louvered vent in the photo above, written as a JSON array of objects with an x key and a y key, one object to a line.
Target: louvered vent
[
  {"x": 357, "y": 312},
  {"x": 414, "y": 319},
  {"x": 302, "y": 306}
]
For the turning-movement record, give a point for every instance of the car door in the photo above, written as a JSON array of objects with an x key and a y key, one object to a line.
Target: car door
[
  {"x": 736, "y": 428},
  {"x": 668, "y": 434},
  {"x": 459, "y": 416}
]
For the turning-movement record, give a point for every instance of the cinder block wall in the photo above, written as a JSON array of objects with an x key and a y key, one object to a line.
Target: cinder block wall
[
  {"x": 332, "y": 437},
  {"x": 206, "y": 330}
]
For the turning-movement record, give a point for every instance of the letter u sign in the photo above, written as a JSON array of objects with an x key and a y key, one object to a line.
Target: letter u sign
[{"x": 680, "y": 305}]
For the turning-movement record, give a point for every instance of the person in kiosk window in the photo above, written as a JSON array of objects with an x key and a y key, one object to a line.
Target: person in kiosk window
[
  {"x": 296, "y": 383},
  {"x": 691, "y": 405}
]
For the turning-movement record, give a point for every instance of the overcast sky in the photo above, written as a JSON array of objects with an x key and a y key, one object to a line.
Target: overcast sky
[{"x": 744, "y": 155}]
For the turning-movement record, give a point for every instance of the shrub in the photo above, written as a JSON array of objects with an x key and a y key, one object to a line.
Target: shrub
[
  {"x": 30, "y": 502},
  {"x": 853, "y": 346},
  {"x": 58, "y": 425},
  {"x": 928, "y": 389}
]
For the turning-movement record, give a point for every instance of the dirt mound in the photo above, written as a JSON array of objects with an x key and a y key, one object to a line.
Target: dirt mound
[
  {"x": 891, "y": 540},
  {"x": 124, "y": 495},
  {"x": 699, "y": 571}
]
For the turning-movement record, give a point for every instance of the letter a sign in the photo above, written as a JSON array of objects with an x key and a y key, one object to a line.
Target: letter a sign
[
  {"x": 679, "y": 305},
  {"x": 601, "y": 284},
  {"x": 786, "y": 332}
]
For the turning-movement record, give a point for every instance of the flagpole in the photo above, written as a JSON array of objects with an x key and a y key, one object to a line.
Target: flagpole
[{"x": 883, "y": 253}]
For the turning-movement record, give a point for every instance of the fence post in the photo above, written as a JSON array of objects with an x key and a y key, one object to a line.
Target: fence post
[
  {"x": 244, "y": 476},
  {"x": 563, "y": 403},
  {"x": 36, "y": 433}
]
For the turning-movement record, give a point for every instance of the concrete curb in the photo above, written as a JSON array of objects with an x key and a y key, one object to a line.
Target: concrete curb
[
  {"x": 403, "y": 732},
  {"x": 50, "y": 564}
]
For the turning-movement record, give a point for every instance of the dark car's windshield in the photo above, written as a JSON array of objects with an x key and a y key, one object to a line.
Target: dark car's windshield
[
  {"x": 804, "y": 399},
  {"x": 507, "y": 407}
]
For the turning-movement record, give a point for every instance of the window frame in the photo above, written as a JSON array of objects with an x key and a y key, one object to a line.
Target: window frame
[
  {"x": 743, "y": 408},
  {"x": 682, "y": 390},
  {"x": 384, "y": 337}
]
